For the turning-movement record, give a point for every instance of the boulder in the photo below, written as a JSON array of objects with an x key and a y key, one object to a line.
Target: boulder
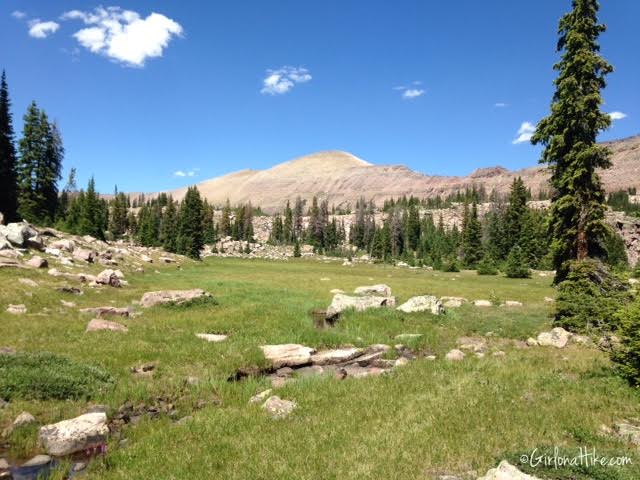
[
  {"x": 4, "y": 243},
  {"x": 106, "y": 311},
  {"x": 212, "y": 337},
  {"x": 74, "y": 435},
  {"x": 423, "y": 303},
  {"x": 558, "y": 338},
  {"x": 18, "y": 233},
  {"x": 10, "y": 253},
  {"x": 339, "y": 355},
  {"x": 150, "y": 299},
  {"x": 99, "y": 324},
  {"x": 278, "y": 408},
  {"x": 532, "y": 342},
  {"x": 453, "y": 302},
  {"x": 475, "y": 344},
  {"x": 16, "y": 309},
  {"x": 84, "y": 255},
  {"x": 37, "y": 461},
  {"x": 455, "y": 355},
  {"x": 287, "y": 355},
  {"x": 25, "y": 418},
  {"x": 376, "y": 290},
  {"x": 37, "y": 262},
  {"x": 63, "y": 244},
  {"x": 342, "y": 302},
  {"x": 506, "y": 471},
  {"x": 628, "y": 432},
  {"x": 108, "y": 277}
]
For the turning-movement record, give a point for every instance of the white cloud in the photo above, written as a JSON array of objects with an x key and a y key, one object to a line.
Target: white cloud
[
  {"x": 284, "y": 79},
  {"x": 20, "y": 15},
  {"x": 412, "y": 93},
  {"x": 617, "y": 115},
  {"x": 409, "y": 93},
  {"x": 525, "y": 132},
  {"x": 38, "y": 29},
  {"x": 189, "y": 173},
  {"x": 123, "y": 35},
  {"x": 500, "y": 105}
]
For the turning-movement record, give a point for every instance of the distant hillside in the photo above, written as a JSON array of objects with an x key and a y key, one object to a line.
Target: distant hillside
[{"x": 342, "y": 178}]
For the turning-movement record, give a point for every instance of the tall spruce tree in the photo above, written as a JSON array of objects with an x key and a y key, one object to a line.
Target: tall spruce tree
[
  {"x": 31, "y": 149},
  {"x": 569, "y": 136},
  {"x": 515, "y": 215},
  {"x": 190, "y": 239},
  {"x": 8, "y": 178},
  {"x": 472, "y": 238}
]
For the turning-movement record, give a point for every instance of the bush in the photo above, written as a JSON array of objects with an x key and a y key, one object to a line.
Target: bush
[
  {"x": 589, "y": 298},
  {"x": 627, "y": 357},
  {"x": 450, "y": 265},
  {"x": 296, "y": 249},
  {"x": 487, "y": 266},
  {"x": 517, "y": 266},
  {"x": 43, "y": 376}
]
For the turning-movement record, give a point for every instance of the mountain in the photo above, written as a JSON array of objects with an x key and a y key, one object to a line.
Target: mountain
[{"x": 342, "y": 178}]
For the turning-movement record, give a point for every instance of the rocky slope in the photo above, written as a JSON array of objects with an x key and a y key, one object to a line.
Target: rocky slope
[{"x": 342, "y": 178}]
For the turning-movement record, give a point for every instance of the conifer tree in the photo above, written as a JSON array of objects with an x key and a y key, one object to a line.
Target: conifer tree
[
  {"x": 472, "y": 238},
  {"x": 287, "y": 227},
  {"x": 31, "y": 148},
  {"x": 190, "y": 239},
  {"x": 225, "y": 221},
  {"x": 8, "y": 177},
  {"x": 90, "y": 220},
  {"x": 569, "y": 136},
  {"x": 515, "y": 214},
  {"x": 48, "y": 172},
  {"x": 169, "y": 228}
]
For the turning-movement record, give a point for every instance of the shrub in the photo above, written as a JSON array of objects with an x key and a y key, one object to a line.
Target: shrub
[
  {"x": 487, "y": 266},
  {"x": 517, "y": 266},
  {"x": 42, "y": 376},
  {"x": 589, "y": 298},
  {"x": 627, "y": 357},
  {"x": 296, "y": 249},
  {"x": 450, "y": 265}
]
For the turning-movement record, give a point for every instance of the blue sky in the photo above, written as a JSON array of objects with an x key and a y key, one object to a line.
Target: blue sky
[{"x": 205, "y": 88}]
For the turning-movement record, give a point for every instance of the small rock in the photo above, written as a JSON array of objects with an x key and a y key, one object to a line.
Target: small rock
[
  {"x": 84, "y": 255},
  {"x": 146, "y": 258},
  {"x": 106, "y": 311},
  {"x": 453, "y": 302},
  {"x": 144, "y": 370},
  {"x": 28, "y": 282},
  {"x": 399, "y": 362},
  {"x": 177, "y": 297},
  {"x": 628, "y": 432},
  {"x": 423, "y": 303},
  {"x": 499, "y": 353},
  {"x": 25, "y": 418},
  {"x": 211, "y": 337},
  {"x": 455, "y": 355},
  {"x": 532, "y": 342},
  {"x": 109, "y": 277},
  {"x": 16, "y": 309},
  {"x": 381, "y": 290},
  {"x": 558, "y": 338},
  {"x": 260, "y": 397},
  {"x": 63, "y": 244},
  {"x": 38, "y": 461},
  {"x": 99, "y": 324},
  {"x": 512, "y": 303},
  {"x": 408, "y": 336},
  {"x": 341, "y": 302},
  {"x": 278, "y": 408},
  {"x": 506, "y": 471},
  {"x": 482, "y": 303},
  {"x": 329, "y": 357},
  {"x": 336, "y": 290},
  {"x": 549, "y": 300},
  {"x": 4, "y": 465},
  {"x": 475, "y": 344},
  {"x": 68, "y": 304}
]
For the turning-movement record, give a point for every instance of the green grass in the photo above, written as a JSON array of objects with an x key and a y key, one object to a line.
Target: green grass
[{"x": 425, "y": 419}]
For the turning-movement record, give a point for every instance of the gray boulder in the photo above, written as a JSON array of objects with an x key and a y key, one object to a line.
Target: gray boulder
[
  {"x": 74, "y": 435},
  {"x": 151, "y": 299},
  {"x": 278, "y": 408},
  {"x": 287, "y": 355},
  {"x": 341, "y": 302},
  {"x": 377, "y": 290},
  {"x": 423, "y": 303},
  {"x": 506, "y": 471}
]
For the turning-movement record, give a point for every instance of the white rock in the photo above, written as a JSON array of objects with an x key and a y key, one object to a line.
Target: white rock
[
  {"x": 336, "y": 290},
  {"x": 558, "y": 338},
  {"x": 633, "y": 281},
  {"x": 455, "y": 355},
  {"x": 63, "y": 244},
  {"x": 99, "y": 324},
  {"x": 506, "y": 471},
  {"x": 278, "y": 408},
  {"x": 260, "y": 397},
  {"x": 151, "y": 299},
  {"x": 146, "y": 258},
  {"x": 482, "y": 303},
  {"x": 74, "y": 435},
  {"x": 55, "y": 252},
  {"x": 211, "y": 337},
  {"x": 453, "y": 302},
  {"x": 532, "y": 342},
  {"x": 340, "y": 355},
  {"x": 25, "y": 418},
  {"x": 108, "y": 277},
  {"x": 512, "y": 303},
  {"x": 549, "y": 300},
  {"x": 424, "y": 303},
  {"x": 16, "y": 309},
  {"x": 37, "y": 262},
  {"x": 376, "y": 290},
  {"x": 287, "y": 355},
  {"x": 341, "y": 302}
]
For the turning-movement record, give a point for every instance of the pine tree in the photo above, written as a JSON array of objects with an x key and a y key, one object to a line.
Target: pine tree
[
  {"x": 515, "y": 214},
  {"x": 169, "y": 227},
  {"x": 8, "y": 177},
  {"x": 90, "y": 220},
  {"x": 225, "y": 222},
  {"x": 31, "y": 149},
  {"x": 287, "y": 228},
  {"x": 208, "y": 230},
  {"x": 569, "y": 136},
  {"x": 190, "y": 239},
  {"x": 516, "y": 266},
  {"x": 472, "y": 238},
  {"x": 49, "y": 172}
]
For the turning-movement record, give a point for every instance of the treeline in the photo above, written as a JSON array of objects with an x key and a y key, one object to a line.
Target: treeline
[
  {"x": 326, "y": 236},
  {"x": 29, "y": 174}
]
